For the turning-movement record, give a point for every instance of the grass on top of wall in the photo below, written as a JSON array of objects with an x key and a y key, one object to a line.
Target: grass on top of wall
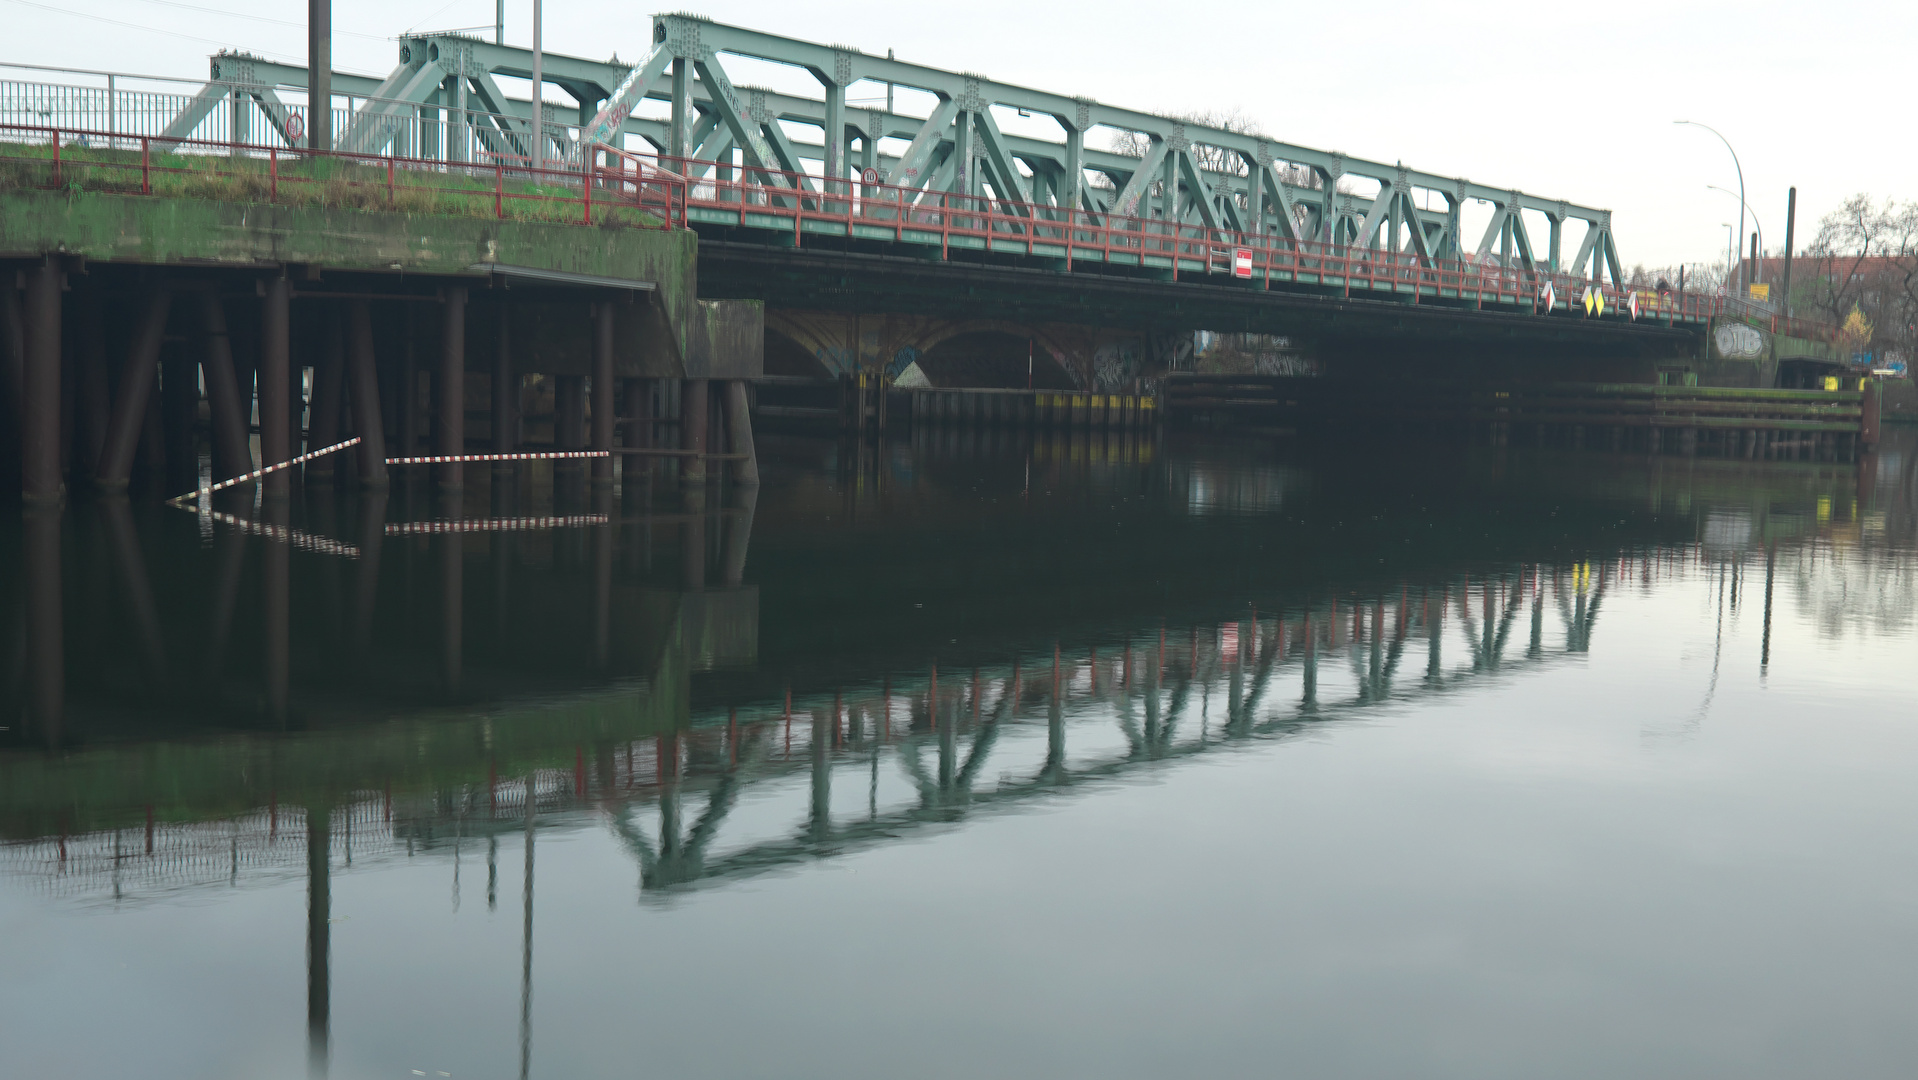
[{"x": 325, "y": 183}]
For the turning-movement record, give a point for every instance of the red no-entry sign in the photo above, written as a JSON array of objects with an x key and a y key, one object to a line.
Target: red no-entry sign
[{"x": 1242, "y": 262}]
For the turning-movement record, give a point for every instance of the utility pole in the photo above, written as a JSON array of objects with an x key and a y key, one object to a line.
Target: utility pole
[
  {"x": 539, "y": 89},
  {"x": 319, "y": 74},
  {"x": 1791, "y": 212}
]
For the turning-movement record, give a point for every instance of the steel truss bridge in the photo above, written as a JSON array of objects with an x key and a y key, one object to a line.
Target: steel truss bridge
[{"x": 990, "y": 166}]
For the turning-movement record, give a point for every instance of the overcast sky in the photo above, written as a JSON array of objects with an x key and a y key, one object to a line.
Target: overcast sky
[{"x": 1572, "y": 101}]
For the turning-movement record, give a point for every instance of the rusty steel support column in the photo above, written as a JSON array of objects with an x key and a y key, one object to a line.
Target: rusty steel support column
[
  {"x": 276, "y": 386},
  {"x": 13, "y": 345},
  {"x": 603, "y": 390},
  {"x": 407, "y": 421},
  {"x": 363, "y": 376},
  {"x": 739, "y": 426},
  {"x": 46, "y": 624},
  {"x": 41, "y": 481},
  {"x": 693, "y": 409},
  {"x": 227, "y": 416},
  {"x": 449, "y": 388},
  {"x": 93, "y": 398},
  {"x": 569, "y": 412},
  {"x": 505, "y": 384},
  {"x": 179, "y": 404},
  {"x": 135, "y": 389},
  {"x": 329, "y": 393}
]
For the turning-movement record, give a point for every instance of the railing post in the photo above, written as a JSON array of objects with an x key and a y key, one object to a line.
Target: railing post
[
  {"x": 273, "y": 172},
  {"x": 146, "y": 154},
  {"x": 389, "y": 179},
  {"x": 586, "y": 190},
  {"x": 56, "y": 157},
  {"x": 499, "y": 189}
]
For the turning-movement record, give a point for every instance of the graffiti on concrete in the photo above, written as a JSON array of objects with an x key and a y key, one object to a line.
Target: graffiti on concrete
[
  {"x": 1115, "y": 365},
  {"x": 1736, "y": 341}
]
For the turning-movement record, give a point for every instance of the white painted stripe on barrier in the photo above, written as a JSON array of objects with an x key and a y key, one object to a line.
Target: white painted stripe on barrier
[
  {"x": 414, "y": 528},
  {"x": 257, "y": 473},
  {"x": 449, "y": 459}
]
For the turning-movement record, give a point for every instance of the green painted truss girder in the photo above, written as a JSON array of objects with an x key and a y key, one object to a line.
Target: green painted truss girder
[{"x": 1224, "y": 198}]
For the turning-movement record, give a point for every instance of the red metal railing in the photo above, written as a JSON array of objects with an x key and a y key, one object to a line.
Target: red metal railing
[
  {"x": 758, "y": 196},
  {"x": 630, "y": 190}
]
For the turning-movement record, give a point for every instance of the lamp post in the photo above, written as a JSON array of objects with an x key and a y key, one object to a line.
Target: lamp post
[
  {"x": 1755, "y": 224},
  {"x": 1731, "y": 249},
  {"x": 1735, "y": 165}
]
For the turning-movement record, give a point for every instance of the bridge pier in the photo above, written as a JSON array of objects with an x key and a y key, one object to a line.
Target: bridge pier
[{"x": 41, "y": 479}]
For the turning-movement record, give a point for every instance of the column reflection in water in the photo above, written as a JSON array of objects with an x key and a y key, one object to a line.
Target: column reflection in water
[
  {"x": 46, "y": 673},
  {"x": 526, "y": 943},
  {"x": 229, "y": 552},
  {"x": 276, "y": 607},
  {"x": 118, "y": 515},
  {"x": 603, "y": 577},
  {"x": 504, "y": 544},
  {"x": 452, "y": 549},
  {"x": 366, "y": 585},
  {"x": 739, "y": 534},
  {"x": 319, "y": 927}
]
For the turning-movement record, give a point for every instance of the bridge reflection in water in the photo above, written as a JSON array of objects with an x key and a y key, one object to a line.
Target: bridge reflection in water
[{"x": 598, "y": 676}]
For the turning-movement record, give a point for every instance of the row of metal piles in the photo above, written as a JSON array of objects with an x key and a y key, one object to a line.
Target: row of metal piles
[{"x": 107, "y": 378}]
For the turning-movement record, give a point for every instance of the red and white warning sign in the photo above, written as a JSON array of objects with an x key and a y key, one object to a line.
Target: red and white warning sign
[{"x": 1242, "y": 262}]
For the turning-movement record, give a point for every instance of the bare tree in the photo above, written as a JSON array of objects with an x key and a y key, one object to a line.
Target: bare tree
[{"x": 1864, "y": 258}]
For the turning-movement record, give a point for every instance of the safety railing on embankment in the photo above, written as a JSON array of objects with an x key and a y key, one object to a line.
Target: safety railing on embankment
[
  {"x": 1835, "y": 424},
  {"x": 614, "y": 188}
]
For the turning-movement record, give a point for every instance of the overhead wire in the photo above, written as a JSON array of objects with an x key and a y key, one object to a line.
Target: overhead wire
[{"x": 129, "y": 25}]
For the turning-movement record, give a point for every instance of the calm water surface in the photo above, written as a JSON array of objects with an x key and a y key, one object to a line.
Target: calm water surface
[{"x": 972, "y": 758}]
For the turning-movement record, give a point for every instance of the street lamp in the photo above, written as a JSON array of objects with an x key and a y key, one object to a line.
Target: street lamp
[
  {"x": 1756, "y": 224},
  {"x": 1735, "y": 165},
  {"x": 1731, "y": 246}
]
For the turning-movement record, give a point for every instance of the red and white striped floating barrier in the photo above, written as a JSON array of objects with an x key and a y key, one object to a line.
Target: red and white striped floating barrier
[
  {"x": 257, "y": 473},
  {"x": 414, "y": 528},
  {"x": 302, "y": 540},
  {"x": 449, "y": 459}
]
